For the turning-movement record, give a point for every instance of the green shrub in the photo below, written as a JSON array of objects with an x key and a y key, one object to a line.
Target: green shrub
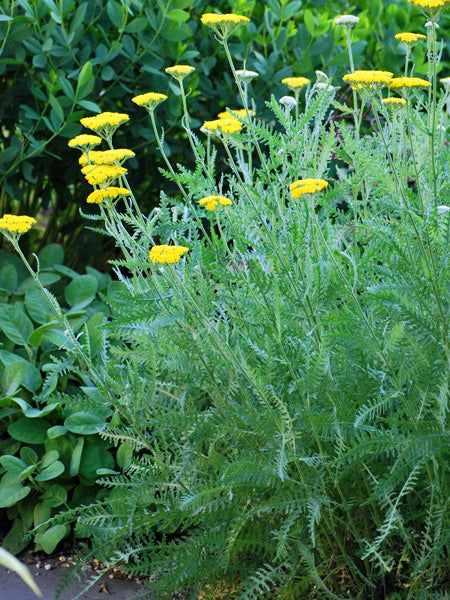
[
  {"x": 62, "y": 60},
  {"x": 280, "y": 365},
  {"x": 49, "y": 454}
]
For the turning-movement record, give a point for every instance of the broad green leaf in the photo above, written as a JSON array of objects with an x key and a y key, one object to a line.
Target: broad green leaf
[
  {"x": 50, "y": 538},
  {"x": 30, "y": 431},
  {"x": 115, "y": 14},
  {"x": 11, "y": 494},
  {"x": 138, "y": 24},
  {"x": 56, "y": 431},
  {"x": 32, "y": 379},
  {"x": 95, "y": 457},
  {"x": 76, "y": 457},
  {"x": 28, "y": 455},
  {"x": 12, "y": 377},
  {"x": 81, "y": 291},
  {"x": 42, "y": 512},
  {"x": 15, "y": 324},
  {"x": 91, "y": 106},
  {"x": 178, "y": 15},
  {"x": 84, "y": 75},
  {"x": 50, "y": 255},
  {"x": 49, "y": 458},
  {"x": 9, "y": 278},
  {"x": 54, "y": 495},
  {"x": 84, "y": 423},
  {"x": 309, "y": 21},
  {"x": 51, "y": 472},
  {"x": 38, "y": 306},
  {"x": 38, "y": 334},
  {"x": 124, "y": 455},
  {"x": 12, "y": 464}
]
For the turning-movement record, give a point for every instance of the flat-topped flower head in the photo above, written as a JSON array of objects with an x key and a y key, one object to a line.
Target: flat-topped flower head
[
  {"x": 245, "y": 75},
  {"x": 105, "y": 124},
  {"x": 369, "y": 81},
  {"x": 102, "y": 175},
  {"x": 224, "y": 25},
  {"x": 167, "y": 254},
  {"x": 295, "y": 83},
  {"x": 446, "y": 82},
  {"x": 84, "y": 142},
  {"x": 307, "y": 186},
  {"x": 150, "y": 100},
  {"x": 179, "y": 72},
  {"x": 109, "y": 193},
  {"x": 106, "y": 157},
  {"x": 16, "y": 224},
  {"x": 410, "y": 39},
  {"x": 212, "y": 202},
  {"x": 394, "y": 104},
  {"x": 225, "y": 126},
  {"x": 407, "y": 86},
  {"x": 431, "y": 8},
  {"x": 346, "y": 20},
  {"x": 232, "y": 114}
]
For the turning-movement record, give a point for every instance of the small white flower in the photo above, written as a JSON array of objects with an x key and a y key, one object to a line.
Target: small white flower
[
  {"x": 288, "y": 101},
  {"x": 322, "y": 77},
  {"x": 346, "y": 20},
  {"x": 323, "y": 86},
  {"x": 445, "y": 81},
  {"x": 442, "y": 209},
  {"x": 430, "y": 24},
  {"x": 246, "y": 75}
]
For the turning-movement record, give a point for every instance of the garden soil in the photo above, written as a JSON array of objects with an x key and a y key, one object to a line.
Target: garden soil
[{"x": 47, "y": 575}]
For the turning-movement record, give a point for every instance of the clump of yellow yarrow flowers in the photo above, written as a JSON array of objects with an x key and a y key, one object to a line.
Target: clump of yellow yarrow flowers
[
  {"x": 212, "y": 202},
  {"x": 16, "y": 224},
  {"x": 307, "y": 186},
  {"x": 224, "y": 25},
  {"x": 164, "y": 253}
]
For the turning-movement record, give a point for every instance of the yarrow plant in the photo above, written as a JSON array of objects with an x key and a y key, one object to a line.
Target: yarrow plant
[{"x": 282, "y": 328}]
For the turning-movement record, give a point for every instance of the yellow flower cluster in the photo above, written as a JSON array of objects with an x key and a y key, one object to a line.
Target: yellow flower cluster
[
  {"x": 295, "y": 82},
  {"x": 106, "y": 157},
  {"x": 105, "y": 123},
  {"x": 179, "y": 71},
  {"x": 16, "y": 223},
  {"x": 110, "y": 193},
  {"x": 150, "y": 100},
  {"x": 408, "y": 82},
  {"x": 307, "y": 186},
  {"x": 210, "y": 202},
  {"x": 167, "y": 254},
  {"x": 84, "y": 141},
  {"x": 232, "y": 115},
  {"x": 223, "y": 125},
  {"x": 102, "y": 175},
  {"x": 369, "y": 79},
  {"x": 213, "y": 19},
  {"x": 430, "y": 3},
  {"x": 410, "y": 38},
  {"x": 394, "y": 103}
]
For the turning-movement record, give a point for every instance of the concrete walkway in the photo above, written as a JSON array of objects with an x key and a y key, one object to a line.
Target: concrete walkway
[{"x": 13, "y": 588}]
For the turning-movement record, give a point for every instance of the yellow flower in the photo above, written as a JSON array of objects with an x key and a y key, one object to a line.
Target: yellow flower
[
  {"x": 179, "y": 72},
  {"x": 232, "y": 115},
  {"x": 84, "y": 141},
  {"x": 16, "y": 224},
  {"x": 223, "y": 125},
  {"x": 106, "y": 157},
  {"x": 224, "y": 25},
  {"x": 110, "y": 193},
  {"x": 369, "y": 82},
  {"x": 307, "y": 186},
  {"x": 167, "y": 254},
  {"x": 102, "y": 175},
  {"x": 105, "y": 124},
  {"x": 409, "y": 39},
  {"x": 150, "y": 100},
  {"x": 431, "y": 8},
  {"x": 210, "y": 202},
  {"x": 394, "y": 103},
  {"x": 406, "y": 86},
  {"x": 295, "y": 83}
]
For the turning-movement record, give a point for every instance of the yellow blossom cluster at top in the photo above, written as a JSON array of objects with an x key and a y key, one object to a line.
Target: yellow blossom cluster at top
[
  {"x": 307, "y": 186},
  {"x": 295, "y": 82},
  {"x": 213, "y": 19},
  {"x": 106, "y": 157},
  {"x": 369, "y": 78},
  {"x": 102, "y": 175},
  {"x": 110, "y": 193},
  {"x": 105, "y": 124},
  {"x": 430, "y": 3},
  {"x": 85, "y": 141},
  {"x": 410, "y": 38},
  {"x": 167, "y": 254},
  {"x": 179, "y": 71},
  {"x": 233, "y": 113},
  {"x": 408, "y": 82},
  {"x": 16, "y": 223},
  {"x": 223, "y": 125},
  {"x": 150, "y": 100},
  {"x": 394, "y": 103},
  {"x": 211, "y": 202}
]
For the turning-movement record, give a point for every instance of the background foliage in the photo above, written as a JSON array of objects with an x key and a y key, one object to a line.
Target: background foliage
[{"x": 61, "y": 60}]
